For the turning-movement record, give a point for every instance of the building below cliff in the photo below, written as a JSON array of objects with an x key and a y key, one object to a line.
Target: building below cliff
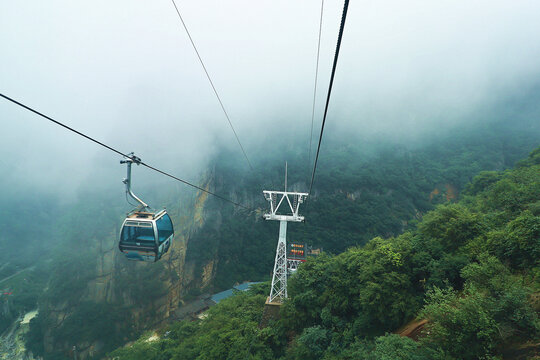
[{"x": 198, "y": 307}]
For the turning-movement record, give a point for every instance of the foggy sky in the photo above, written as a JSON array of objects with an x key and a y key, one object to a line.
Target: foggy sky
[{"x": 125, "y": 73}]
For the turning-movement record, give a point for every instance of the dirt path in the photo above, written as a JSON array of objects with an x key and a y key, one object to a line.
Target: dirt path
[{"x": 412, "y": 329}]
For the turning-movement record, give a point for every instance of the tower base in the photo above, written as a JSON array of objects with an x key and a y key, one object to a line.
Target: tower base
[{"x": 271, "y": 312}]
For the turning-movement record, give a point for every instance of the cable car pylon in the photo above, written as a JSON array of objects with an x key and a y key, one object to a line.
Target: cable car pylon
[{"x": 289, "y": 202}]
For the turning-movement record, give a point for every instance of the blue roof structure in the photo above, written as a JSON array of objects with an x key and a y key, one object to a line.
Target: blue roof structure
[
  {"x": 227, "y": 293},
  {"x": 222, "y": 295},
  {"x": 245, "y": 286}
]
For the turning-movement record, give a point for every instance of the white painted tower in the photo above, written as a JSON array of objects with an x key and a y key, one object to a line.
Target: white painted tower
[{"x": 284, "y": 207}]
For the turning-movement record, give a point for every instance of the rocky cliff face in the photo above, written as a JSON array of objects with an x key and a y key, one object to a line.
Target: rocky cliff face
[{"x": 146, "y": 294}]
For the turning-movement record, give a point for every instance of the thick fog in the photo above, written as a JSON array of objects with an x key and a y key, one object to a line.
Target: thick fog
[{"x": 125, "y": 73}]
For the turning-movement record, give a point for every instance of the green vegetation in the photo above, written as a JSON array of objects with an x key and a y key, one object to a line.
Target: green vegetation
[
  {"x": 362, "y": 190},
  {"x": 25, "y": 289},
  {"x": 469, "y": 268},
  {"x": 364, "y": 197},
  {"x": 26, "y": 221},
  {"x": 79, "y": 304},
  {"x": 68, "y": 313}
]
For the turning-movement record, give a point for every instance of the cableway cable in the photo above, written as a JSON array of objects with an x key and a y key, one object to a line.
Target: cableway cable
[
  {"x": 134, "y": 158},
  {"x": 315, "y": 85},
  {"x": 212, "y": 84},
  {"x": 340, "y": 36}
]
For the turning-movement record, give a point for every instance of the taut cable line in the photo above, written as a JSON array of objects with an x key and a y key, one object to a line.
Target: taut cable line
[
  {"x": 212, "y": 84},
  {"x": 340, "y": 36},
  {"x": 315, "y": 84},
  {"x": 135, "y": 159}
]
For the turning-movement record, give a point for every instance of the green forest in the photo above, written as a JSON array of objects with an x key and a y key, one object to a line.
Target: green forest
[
  {"x": 147, "y": 145},
  {"x": 470, "y": 268},
  {"x": 370, "y": 199},
  {"x": 363, "y": 190}
]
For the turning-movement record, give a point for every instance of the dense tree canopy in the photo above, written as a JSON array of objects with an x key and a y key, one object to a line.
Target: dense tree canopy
[
  {"x": 367, "y": 207},
  {"x": 469, "y": 269}
]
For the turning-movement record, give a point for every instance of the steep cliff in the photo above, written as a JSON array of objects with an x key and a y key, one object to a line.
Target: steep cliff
[{"x": 97, "y": 299}]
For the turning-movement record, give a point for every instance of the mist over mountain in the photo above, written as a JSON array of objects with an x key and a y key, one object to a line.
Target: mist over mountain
[
  {"x": 126, "y": 74},
  {"x": 426, "y": 185},
  {"x": 363, "y": 190}
]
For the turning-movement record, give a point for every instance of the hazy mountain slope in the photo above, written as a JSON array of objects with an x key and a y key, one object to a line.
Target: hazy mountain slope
[
  {"x": 469, "y": 268},
  {"x": 96, "y": 300},
  {"x": 362, "y": 190}
]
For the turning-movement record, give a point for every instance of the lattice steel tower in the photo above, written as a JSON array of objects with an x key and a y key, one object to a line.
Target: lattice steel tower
[{"x": 291, "y": 203}]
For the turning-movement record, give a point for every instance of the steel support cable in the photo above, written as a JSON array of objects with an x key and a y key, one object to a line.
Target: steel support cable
[
  {"x": 315, "y": 85},
  {"x": 212, "y": 84},
  {"x": 340, "y": 36},
  {"x": 195, "y": 186},
  {"x": 135, "y": 159}
]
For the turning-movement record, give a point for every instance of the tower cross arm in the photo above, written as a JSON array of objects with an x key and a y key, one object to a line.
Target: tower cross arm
[
  {"x": 269, "y": 192},
  {"x": 277, "y": 198}
]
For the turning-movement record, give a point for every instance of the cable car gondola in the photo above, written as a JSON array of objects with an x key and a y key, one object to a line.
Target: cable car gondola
[{"x": 146, "y": 235}]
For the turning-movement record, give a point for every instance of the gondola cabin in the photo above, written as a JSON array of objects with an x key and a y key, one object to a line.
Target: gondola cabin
[{"x": 146, "y": 236}]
